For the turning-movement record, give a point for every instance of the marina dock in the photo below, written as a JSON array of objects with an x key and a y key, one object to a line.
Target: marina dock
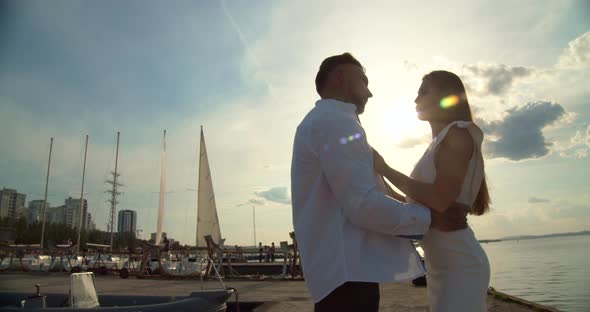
[{"x": 266, "y": 295}]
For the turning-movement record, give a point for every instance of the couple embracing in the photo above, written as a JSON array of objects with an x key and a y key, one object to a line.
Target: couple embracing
[{"x": 354, "y": 231}]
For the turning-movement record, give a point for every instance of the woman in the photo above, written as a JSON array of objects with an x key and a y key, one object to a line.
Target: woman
[{"x": 450, "y": 180}]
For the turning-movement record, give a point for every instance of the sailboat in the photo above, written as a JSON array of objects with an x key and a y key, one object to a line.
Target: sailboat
[{"x": 207, "y": 220}]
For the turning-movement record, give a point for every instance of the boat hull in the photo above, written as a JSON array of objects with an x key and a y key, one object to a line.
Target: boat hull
[{"x": 205, "y": 301}]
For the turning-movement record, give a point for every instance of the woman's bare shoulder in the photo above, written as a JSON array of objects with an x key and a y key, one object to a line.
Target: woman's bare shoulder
[{"x": 458, "y": 140}]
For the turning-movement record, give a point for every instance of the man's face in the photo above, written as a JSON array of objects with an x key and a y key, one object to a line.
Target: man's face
[{"x": 356, "y": 85}]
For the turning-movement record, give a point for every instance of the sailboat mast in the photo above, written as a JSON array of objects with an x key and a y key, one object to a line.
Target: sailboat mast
[
  {"x": 114, "y": 194},
  {"x": 162, "y": 193},
  {"x": 45, "y": 198},
  {"x": 199, "y": 187},
  {"x": 82, "y": 197},
  {"x": 254, "y": 222}
]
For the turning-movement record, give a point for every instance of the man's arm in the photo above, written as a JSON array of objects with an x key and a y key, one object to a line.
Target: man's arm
[
  {"x": 346, "y": 160},
  {"x": 393, "y": 193}
]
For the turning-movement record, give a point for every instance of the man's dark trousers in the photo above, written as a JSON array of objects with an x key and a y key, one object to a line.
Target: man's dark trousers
[{"x": 351, "y": 296}]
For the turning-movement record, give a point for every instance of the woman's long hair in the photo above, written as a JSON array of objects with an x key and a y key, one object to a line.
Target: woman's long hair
[{"x": 450, "y": 84}]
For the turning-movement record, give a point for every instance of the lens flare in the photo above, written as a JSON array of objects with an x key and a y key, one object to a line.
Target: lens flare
[
  {"x": 350, "y": 138},
  {"x": 449, "y": 101}
]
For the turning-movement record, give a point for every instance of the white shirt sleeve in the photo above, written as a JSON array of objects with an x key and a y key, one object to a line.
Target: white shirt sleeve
[{"x": 346, "y": 160}]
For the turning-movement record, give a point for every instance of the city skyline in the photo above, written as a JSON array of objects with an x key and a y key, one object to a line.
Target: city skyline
[
  {"x": 245, "y": 71},
  {"x": 32, "y": 211}
]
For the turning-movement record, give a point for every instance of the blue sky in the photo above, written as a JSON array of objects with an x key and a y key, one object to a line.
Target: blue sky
[{"x": 245, "y": 69}]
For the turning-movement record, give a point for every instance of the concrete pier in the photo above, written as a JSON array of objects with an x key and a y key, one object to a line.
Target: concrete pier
[{"x": 277, "y": 295}]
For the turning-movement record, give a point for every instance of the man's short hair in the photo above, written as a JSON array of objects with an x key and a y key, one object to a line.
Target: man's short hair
[{"x": 329, "y": 64}]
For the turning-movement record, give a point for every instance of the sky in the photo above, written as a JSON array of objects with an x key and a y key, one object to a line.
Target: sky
[{"x": 245, "y": 70}]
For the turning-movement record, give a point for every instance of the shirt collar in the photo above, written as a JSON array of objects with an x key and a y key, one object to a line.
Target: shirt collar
[{"x": 335, "y": 105}]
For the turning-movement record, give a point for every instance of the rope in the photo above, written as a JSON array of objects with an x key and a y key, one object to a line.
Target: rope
[{"x": 236, "y": 295}]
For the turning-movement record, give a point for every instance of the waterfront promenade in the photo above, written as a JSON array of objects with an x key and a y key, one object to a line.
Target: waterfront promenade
[{"x": 277, "y": 295}]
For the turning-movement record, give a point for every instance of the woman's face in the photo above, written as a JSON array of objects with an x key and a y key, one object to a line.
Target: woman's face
[{"x": 427, "y": 101}]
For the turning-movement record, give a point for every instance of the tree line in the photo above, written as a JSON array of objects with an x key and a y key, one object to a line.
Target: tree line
[{"x": 59, "y": 233}]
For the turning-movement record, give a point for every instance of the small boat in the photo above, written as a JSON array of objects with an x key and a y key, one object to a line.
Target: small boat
[
  {"x": 205, "y": 301},
  {"x": 83, "y": 298}
]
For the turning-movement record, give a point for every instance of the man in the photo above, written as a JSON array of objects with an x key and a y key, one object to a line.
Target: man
[
  {"x": 166, "y": 244},
  {"x": 272, "y": 252},
  {"x": 346, "y": 226}
]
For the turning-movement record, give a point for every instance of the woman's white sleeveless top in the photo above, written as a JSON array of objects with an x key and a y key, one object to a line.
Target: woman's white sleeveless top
[{"x": 425, "y": 170}]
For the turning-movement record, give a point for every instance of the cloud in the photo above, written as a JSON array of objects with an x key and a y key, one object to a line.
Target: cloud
[
  {"x": 555, "y": 210},
  {"x": 496, "y": 78},
  {"x": 257, "y": 201},
  {"x": 410, "y": 142},
  {"x": 577, "y": 54},
  {"x": 536, "y": 200},
  {"x": 558, "y": 215},
  {"x": 408, "y": 65},
  {"x": 519, "y": 135},
  {"x": 566, "y": 209},
  {"x": 276, "y": 194},
  {"x": 253, "y": 202},
  {"x": 578, "y": 145}
]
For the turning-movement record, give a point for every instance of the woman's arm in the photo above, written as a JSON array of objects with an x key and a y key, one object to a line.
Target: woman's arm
[{"x": 452, "y": 159}]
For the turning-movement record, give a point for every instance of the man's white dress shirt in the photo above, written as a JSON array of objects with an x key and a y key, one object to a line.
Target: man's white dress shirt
[{"x": 344, "y": 223}]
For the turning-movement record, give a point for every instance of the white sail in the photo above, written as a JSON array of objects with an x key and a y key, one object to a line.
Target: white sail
[
  {"x": 162, "y": 193},
  {"x": 207, "y": 221}
]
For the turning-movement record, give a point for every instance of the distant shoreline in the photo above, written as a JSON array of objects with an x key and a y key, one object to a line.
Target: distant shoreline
[{"x": 523, "y": 237}]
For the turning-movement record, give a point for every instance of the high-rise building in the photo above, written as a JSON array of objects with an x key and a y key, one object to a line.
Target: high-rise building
[
  {"x": 90, "y": 225},
  {"x": 35, "y": 212},
  {"x": 55, "y": 215},
  {"x": 68, "y": 214},
  {"x": 126, "y": 221},
  {"x": 72, "y": 212},
  {"x": 10, "y": 202},
  {"x": 22, "y": 212}
]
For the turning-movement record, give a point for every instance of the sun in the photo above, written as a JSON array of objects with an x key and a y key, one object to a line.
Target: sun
[{"x": 396, "y": 120}]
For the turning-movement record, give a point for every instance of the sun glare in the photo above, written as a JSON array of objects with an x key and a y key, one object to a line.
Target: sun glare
[{"x": 399, "y": 120}]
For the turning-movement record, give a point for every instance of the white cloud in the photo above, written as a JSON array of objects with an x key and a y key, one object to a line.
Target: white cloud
[
  {"x": 578, "y": 145},
  {"x": 276, "y": 194},
  {"x": 537, "y": 200},
  {"x": 577, "y": 54},
  {"x": 258, "y": 201},
  {"x": 411, "y": 142},
  {"x": 539, "y": 216}
]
